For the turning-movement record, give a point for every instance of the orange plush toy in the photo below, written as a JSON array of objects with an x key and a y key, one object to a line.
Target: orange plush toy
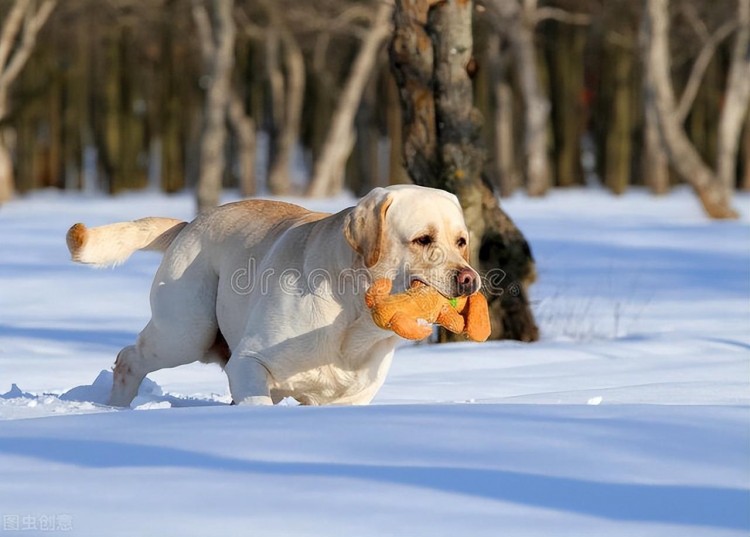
[{"x": 410, "y": 314}]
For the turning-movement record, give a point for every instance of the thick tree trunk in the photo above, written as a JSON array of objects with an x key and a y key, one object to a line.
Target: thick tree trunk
[
  {"x": 411, "y": 57},
  {"x": 328, "y": 175},
  {"x": 659, "y": 98},
  {"x": 430, "y": 51},
  {"x": 217, "y": 44}
]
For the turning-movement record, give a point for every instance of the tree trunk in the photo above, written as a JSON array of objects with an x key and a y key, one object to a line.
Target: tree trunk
[
  {"x": 659, "y": 98},
  {"x": 56, "y": 163},
  {"x": 217, "y": 45},
  {"x": 397, "y": 173},
  {"x": 18, "y": 35},
  {"x": 320, "y": 99},
  {"x": 363, "y": 170},
  {"x": 655, "y": 169},
  {"x": 170, "y": 111},
  {"x": 618, "y": 145},
  {"x": 111, "y": 132},
  {"x": 519, "y": 22},
  {"x": 431, "y": 48},
  {"x": 745, "y": 182},
  {"x": 244, "y": 130},
  {"x": 736, "y": 101},
  {"x": 702, "y": 125},
  {"x": 74, "y": 118},
  {"x": 6, "y": 161},
  {"x": 6, "y": 172},
  {"x": 565, "y": 51},
  {"x": 288, "y": 116},
  {"x": 503, "y": 138},
  {"x": 328, "y": 176}
]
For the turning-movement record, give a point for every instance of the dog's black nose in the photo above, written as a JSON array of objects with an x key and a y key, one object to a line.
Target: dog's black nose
[{"x": 467, "y": 280}]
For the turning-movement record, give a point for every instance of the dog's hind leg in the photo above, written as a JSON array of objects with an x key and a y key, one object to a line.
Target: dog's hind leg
[
  {"x": 154, "y": 350},
  {"x": 183, "y": 329},
  {"x": 128, "y": 375}
]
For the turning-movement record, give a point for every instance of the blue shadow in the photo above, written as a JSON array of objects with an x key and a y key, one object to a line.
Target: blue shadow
[{"x": 716, "y": 507}]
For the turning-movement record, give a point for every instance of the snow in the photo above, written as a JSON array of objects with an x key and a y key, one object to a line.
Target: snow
[{"x": 630, "y": 417}]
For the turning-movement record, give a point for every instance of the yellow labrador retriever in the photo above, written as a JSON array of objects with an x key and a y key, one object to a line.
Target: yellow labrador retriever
[{"x": 275, "y": 293}]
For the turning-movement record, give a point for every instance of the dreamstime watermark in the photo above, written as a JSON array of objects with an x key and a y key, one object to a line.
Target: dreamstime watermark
[
  {"x": 16, "y": 522},
  {"x": 293, "y": 281}
]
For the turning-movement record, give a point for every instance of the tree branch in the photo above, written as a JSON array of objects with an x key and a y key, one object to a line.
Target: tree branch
[
  {"x": 311, "y": 21},
  {"x": 328, "y": 176},
  {"x": 11, "y": 27},
  {"x": 33, "y": 24},
  {"x": 205, "y": 32},
  {"x": 699, "y": 68},
  {"x": 560, "y": 15},
  {"x": 250, "y": 29}
]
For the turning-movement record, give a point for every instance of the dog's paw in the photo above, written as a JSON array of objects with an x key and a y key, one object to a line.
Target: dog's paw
[{"x": 256, "y": 400}]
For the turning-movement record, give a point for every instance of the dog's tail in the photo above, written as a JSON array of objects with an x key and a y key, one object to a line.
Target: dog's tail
[{"x": 112, "y": 244}]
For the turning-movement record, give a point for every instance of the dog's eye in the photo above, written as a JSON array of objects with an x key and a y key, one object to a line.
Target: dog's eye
[
  {"x": 424, "y": 240},
  {"x": 461, "y": 242}
]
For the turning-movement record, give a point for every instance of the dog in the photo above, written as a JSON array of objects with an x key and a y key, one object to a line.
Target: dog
[{"x": 274, "y": 293}]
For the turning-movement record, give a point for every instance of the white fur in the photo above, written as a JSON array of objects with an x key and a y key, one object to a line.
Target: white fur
[
  {"x": 255, "y": 272},
  {"x": 112, "y": 244}
]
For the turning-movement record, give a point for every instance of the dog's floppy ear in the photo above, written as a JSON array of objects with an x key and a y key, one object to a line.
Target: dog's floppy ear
[{"x": 364, "y": 226}]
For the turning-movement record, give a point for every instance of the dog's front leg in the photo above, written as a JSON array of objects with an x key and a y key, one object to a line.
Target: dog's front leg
[{"x": 248, "y": 379}]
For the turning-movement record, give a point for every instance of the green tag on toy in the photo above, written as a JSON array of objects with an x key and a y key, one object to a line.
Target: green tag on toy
[{"x": 453, "y": 302}]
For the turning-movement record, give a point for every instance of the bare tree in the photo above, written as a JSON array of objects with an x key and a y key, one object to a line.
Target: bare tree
[
  {"x": 288, "y": 92},
  {"x": 504, "y": 148},
  {"x": 430, "y": 52},
  {"x": 17, "y": 39},
  {"x": 244, "y": 131},
  {"x": 655, "y": 164},
  {"x": 516, "y": 20},
  {"x": 736, "y": 100},
  {"x": 217, "y": 32},
  {"x": 713, "y": 188},
  {"x": 328, "y": 175}
]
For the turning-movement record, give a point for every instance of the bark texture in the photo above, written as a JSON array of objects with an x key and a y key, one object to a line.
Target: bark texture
[{"x": 430, "y": 52}]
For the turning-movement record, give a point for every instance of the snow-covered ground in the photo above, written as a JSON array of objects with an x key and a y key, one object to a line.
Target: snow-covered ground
[{"x": 630, "y": 417}]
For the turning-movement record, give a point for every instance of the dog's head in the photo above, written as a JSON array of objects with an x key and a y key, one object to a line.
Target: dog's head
[{"x": 409, "y": 233}]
